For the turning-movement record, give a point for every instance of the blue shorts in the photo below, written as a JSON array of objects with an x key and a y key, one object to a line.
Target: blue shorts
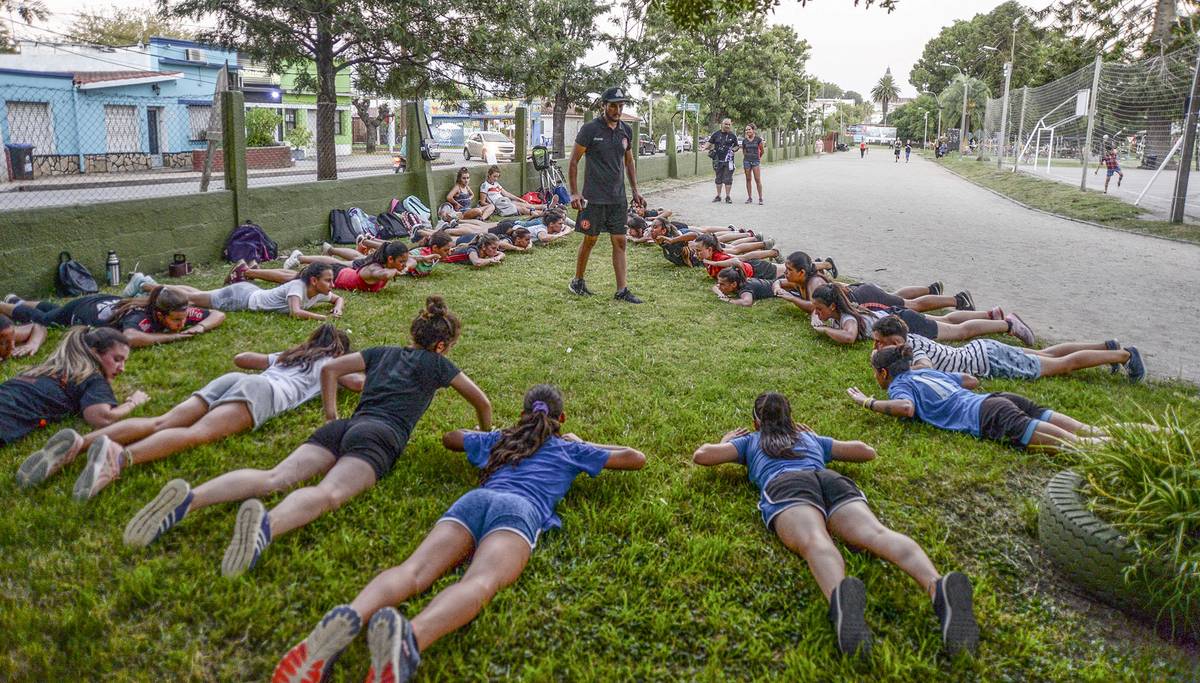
[
  {"x": 748, "y": 164},
  {"x": 1009, "y": 362},
  {"x": 1111, "y": 171},
  {"x": 483, "y": 511}
]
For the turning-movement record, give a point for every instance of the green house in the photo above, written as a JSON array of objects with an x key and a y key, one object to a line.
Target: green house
[{"x": 297, "y": 106}]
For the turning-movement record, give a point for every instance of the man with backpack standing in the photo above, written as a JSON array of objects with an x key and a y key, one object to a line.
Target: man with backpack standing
[
  {"x": 721, "y": 146},
  {"x": 608, "y": 143}
]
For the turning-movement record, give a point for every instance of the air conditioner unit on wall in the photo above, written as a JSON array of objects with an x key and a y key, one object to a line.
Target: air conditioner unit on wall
[{"x": 194, "y": 55}]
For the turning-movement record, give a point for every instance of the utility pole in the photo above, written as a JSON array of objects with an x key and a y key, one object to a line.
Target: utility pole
[
  {"x": 1179, "y": 201},
  {"x": 925, "y": 135},
  {"x": 962, "y": 133},
  {"x": 1020, "y": 129},
  {"x": 1008, "y": 69},
  {"x": 807, "y": 125},
  {"x": 1085, "y": 154}
]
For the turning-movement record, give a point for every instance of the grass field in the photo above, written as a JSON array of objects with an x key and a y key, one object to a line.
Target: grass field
[
  {"x": 1066, "y": 200},
  {"x": 661, "y": 574}
]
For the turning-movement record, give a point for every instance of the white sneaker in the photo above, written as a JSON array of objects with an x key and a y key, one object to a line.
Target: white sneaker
[{"x": 293, "y": 261}]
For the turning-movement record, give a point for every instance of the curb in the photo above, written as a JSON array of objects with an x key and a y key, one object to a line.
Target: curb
[{"x": 1059, "y": 215}]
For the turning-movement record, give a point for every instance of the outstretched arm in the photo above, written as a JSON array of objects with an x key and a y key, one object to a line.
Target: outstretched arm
[
  {"x": 249, "y": 360},
  {"x": 619, "y": 457},
  {"x": 895, "y": 408},
  {"x": 721, "y": 452},
  {"x": 475, "y": 396},
  {"x": 852, "y": 451},
  {"x": 100, "y": 415},
  {"x": 29, "y": 339},
  {"x": 331, "y": 373}
]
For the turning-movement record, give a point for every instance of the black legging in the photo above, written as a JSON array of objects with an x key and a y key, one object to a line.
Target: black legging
[{"x": 81, "y": 311}]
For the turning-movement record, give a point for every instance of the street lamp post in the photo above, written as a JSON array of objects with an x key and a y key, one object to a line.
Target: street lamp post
[{"x": 925, "y": 135}]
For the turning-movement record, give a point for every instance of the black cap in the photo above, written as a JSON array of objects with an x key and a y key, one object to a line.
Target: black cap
[{"x": 616, "y": 94}]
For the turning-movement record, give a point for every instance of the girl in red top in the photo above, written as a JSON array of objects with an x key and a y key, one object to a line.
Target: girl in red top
[
  {"x": 754, "y": 263},
  {"x": 368, "y": 274}
]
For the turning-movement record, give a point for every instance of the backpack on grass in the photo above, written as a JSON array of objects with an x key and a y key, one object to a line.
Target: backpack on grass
[
  {"x": 414, "y": 205},
  {"x": 362, "y": 223},
  {"x": 390, "y": 226},
  {"x": 72, "y": 279},
  {"x": 248, "y": 242},
  {"x": 340, "y": 229}
]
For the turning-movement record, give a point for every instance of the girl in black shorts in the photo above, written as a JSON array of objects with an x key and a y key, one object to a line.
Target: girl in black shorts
[
  {"x": 353, "y": 454},
  {"x": 806, "y": 504},
  {"x": 734, "y": 287},
  {"x": 803, "y": 276},
  {"x": 846, "y": 322}
]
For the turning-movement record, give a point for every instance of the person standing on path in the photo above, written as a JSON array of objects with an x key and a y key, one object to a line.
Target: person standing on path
[
  {"x": 896, "y": 148},
  {"x": 1109, "y": 160},
  {"x": 752, "y": 151},
  {"x": 721, "y": 146},
  {"x": 862, "y": 149},
  {"x": 907, "y": 150},
  {"x": 607, "y": 141}
]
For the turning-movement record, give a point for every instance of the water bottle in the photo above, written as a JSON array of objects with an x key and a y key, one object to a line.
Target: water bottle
[{"x": 113, "y": 269}]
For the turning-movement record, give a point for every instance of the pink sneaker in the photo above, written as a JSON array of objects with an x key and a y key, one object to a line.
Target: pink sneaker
[
  {"x": 1018, "y": 329},
  {"x": 106, "y": 459},
  {"x": 996, "y": 313}
]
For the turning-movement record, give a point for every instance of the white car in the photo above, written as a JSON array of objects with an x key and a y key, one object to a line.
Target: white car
[
  {"x": 477, "y": 143},
  {"x": 682, "y": 144}
]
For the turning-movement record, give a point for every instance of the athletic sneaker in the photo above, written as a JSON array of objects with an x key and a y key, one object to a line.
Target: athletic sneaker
[
  {"x": 952, "y": 604},
  {"x": 13, "y": 299},
  {"x": 833, "y": 271},
  {"x": 728, "y": 200},
  {"x": 312, "y": 659},
  {"x": 936, "y": 288},
  {"x": 251, "y": 535},
  {"x": 768, "y": 242},
  {"x": 1134, "y": 366},
  {"x": 134, "y": 288},
  {"x": 1113, "y": 345},
  {"x": 716, "y": 199},
  {"x": 105, "y": 460},
  {"x": 750, "y": 200},
  {"x": 1018, "y": 329},
  {"x": 158, "y": 516},
  {"x": 963, "y": 301},
  {"x": 394, "y": 654},
  {"x": 627, "y": 296},
  {"x": 237, "y": 273},
  {"x": 760, "y": 201},
  {"x": 578, "y": 286},
  {"x": 326, "y": 248},
  {"x": 846, "y": 606},
  {"x": 293, "y": 260},
  {"x": 995, "y": 313},
  {"x": 59, "y": 450}
]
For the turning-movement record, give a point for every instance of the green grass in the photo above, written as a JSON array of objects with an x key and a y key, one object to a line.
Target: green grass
[
  {"x": 1067, "y": 200},
  {"x": 661, "y": 574}
]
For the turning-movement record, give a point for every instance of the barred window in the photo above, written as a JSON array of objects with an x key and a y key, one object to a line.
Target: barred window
[
  {"x": 289, "y": 119},
  {"x": 198, "y": 116},
  {"x": 121, "y": 129},
  {"x": 30, "y": 123}
]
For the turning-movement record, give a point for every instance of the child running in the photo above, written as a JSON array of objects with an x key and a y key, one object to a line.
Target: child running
[
  {"x": 230, "y": 404},
  {"x": 526, "y": 471},
  {"x": 946, "y": 401},
  {"x": 990, "y": 359},
  {"x": 352, "y": 454},
  {"x": 76, "y": 379},
  {"x": 1112, "y": 166},
  {"x": 367, "y": 274},
  {"x": 311, "y": 286},
  {"x": 734, "y": 287},
  {"x": 802, "y": 275},
  {"x": 806, "y": 504},
  {"x": 845, "y": 322}
]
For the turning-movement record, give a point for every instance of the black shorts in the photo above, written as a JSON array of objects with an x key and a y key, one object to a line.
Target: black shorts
[
  {"x": 867, "y": 293},
  {"x": 674, "y": 253},
  {"x": 1009, "y": 418},
  {"x": 825, "y": 490},
  {"x": 371, "y": 441},
  {"x": 598, "y": 218},
  {"x": 763, "y": 269},
  {"x": 724, "y": 175},
  {"x": 918, "y": 324}
]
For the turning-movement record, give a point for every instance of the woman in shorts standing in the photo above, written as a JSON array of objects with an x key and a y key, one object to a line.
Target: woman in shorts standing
[{"x": 752, "y": 151}]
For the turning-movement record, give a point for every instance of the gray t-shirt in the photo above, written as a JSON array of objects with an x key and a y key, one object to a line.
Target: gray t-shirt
[
  {"x": 276, "y": 299},
  {"x": 751, "y": 149}
]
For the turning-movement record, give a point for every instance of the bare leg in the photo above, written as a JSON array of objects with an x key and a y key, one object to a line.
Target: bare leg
[
  {"x": 928, "y": 302},
  {"x": 476, "y": 212},
  {"x": 279, "y": 275},
  {"x": 1048, "y": 436},
  {"x": 970, "y": 329},
  {"x": 744, "y": 247},
  {"x": 757, "y": 254},
  {"x": 195, "y": 297},
  {"x": 913, "y": 292},
  {"x": 446, "y": 546},
  {"x": 486, "y": 212},
  {"x": 749, "y": 179},
  {"x": 855, "y": 524},
  {"x": 1070, "y": 424},
  {"x": 1059, "y": 350},
  {"x": 961, "y": 316},
  {"x": 618, "y": 259},
  {"x": 498, "y": 562},
  {"x": 802, "y": 530},
  {"x": 220, "y": 422},
  {"x": 130, "y": 430},
  {"x": 331, "y": 260},
  {"x": 306, "y": 461},
  {"x": 345, "y": 253},
  {"x": 1081, "y": 359},
  {"x": 585, "y": 251},
  {"x": 349, "y": 477}
]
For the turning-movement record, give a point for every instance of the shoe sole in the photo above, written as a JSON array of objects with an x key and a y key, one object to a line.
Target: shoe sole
[
  {"x": 853, "y": 636},
  {"x": 95, "y": 457},
  {"x": 143, "y": 528},
  {"x": 41, "y": 463},
  {"x": 383, "y": 644},
  {"x": 240, "y": 552},
  {"x": 1140, "y": 373},
  {"x": 322, "y": 649},
  {"x": 968, "y": 300},
  {"x": 960, "y": 631}
]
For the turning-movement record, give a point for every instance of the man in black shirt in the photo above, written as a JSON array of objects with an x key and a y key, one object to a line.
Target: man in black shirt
[
  {"x": 722, "y": 144},
  {"x": 608, "y": 144}
]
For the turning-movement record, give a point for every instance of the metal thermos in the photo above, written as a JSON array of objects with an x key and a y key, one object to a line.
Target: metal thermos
[{"x": 113, "y": 269}]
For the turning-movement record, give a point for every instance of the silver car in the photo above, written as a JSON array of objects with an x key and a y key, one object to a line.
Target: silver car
[{"x": 479, "y": 142}]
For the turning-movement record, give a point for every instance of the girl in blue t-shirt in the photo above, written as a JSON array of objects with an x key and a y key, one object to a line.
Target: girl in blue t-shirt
[
  {"x": 526, "y": 470},
  {"x": 806, "y": 504}
]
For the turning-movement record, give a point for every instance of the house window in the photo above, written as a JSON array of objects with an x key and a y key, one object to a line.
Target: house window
[
  {"x": 289, "y": 119},
  {"x": 121, "y": 130},
  {"x": 337, "y": 123},
  {"x": 198, "y": 116},
  {"x": 30, "y": 123}
]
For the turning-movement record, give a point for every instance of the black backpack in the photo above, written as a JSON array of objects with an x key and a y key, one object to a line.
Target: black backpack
[
  {"x": 72, "y": 278},
  {"x": 390, "y": 227},
  {"x": 340, "y": 229},
  {"x": 541, "y": 158},
  {"x": 248, "y": 242}
]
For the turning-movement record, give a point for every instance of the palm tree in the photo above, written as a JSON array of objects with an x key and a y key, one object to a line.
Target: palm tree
[
  {"x": 951, "y": 98},
  {"x": 885, "y": 91}
]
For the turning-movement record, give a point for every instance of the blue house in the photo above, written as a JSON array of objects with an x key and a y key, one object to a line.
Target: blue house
[{"x": 89, "y": 109}]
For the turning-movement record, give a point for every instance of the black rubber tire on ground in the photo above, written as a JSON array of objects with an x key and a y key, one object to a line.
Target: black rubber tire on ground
[{"x": 1084, "y": 547}]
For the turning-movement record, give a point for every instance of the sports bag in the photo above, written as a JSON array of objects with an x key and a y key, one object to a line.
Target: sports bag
[
  {"x": 412, "y": 223},
  {"x": 563, "y": 195},
  {"x": 541, "y": 157},
  {"x": 248, "y": 242},
  {"x": 340, "y": 229},
  {"x": 389, "y": 226},
  {"x": 361, "y": 222},
  {"x": 72, "y": 278},
  {"x": 414, "y": 205},
  {"x": 532, "y": 197}
]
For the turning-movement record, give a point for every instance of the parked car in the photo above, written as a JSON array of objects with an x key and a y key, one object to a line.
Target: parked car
[
  {"x": 476, "y": 143},
  {"x": 682, "y": 144},
  {"x": 646, "y": 146}
]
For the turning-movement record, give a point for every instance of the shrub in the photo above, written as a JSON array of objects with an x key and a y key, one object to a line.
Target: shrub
[
  {"x": 260, "y": 127},
  {"x": 1146, "y": 483},
  {"x": 299, "y": 137}
]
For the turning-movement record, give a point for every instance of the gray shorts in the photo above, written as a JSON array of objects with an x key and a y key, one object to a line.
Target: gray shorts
[
  {"x": 1009, "y": 362},
  {"x": 235, "y": 297},
  {"x": 504, "y": 206},
  {"x": 237, "y": 387}
]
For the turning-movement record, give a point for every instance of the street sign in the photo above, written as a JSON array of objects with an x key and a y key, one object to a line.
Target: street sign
[{"x": 688, "y": 106}]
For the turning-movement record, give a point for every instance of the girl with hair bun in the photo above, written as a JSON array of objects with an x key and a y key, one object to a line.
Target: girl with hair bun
[
  {"x": 369, "y": 273},
  {"x": 525, "y": 471},
  {"x": 352, "y": 454},
  {"x": 311, "y": 286},
  {"x": 806, "y": 504}
]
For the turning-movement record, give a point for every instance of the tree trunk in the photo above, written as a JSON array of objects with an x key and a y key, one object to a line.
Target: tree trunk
[
  {"x": 372, "y": 124},
  {"x": 1164, "y": 18},
  {"x": 326, "y": 106},
  {"x": 560, "y": 121}
]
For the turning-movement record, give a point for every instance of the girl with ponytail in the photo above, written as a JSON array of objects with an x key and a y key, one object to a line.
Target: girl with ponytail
[
  {"x": 806, "y": 505},
  {"x": 482, "y": 250},
  {"x": 369, "y": 273},
  {"x": 351, "y": 455},
  {"x": 525, "y": 471},
  {"x": 306, "y": 289},
  {"x": 230, "y": 404}
]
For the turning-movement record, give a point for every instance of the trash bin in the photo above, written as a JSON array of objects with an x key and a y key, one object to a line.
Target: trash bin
[{"x": 20, "y": 161}]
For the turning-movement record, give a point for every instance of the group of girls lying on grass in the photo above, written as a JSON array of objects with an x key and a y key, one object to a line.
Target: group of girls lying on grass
[{"x": 309, "y": 287}]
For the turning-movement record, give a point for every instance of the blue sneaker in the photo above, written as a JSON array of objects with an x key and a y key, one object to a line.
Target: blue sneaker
[
  {"x": 134, "y": 288},
  {"x": 312, "y": 659},
  {"x": 166, "y": 510},
  {"x": 394, "y": 654},
  {"x": 1113, "y": 345},
  {"x": 1134, "y": 366},
  {"x": 952, "y": 604},
  {"x": 251, "y": 535}
]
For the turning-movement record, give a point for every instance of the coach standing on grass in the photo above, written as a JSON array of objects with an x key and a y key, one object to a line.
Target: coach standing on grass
[{"x": 607, "y": 142}]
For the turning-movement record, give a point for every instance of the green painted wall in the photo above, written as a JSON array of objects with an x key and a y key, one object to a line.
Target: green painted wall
[{"x": 295, "y": 214}]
